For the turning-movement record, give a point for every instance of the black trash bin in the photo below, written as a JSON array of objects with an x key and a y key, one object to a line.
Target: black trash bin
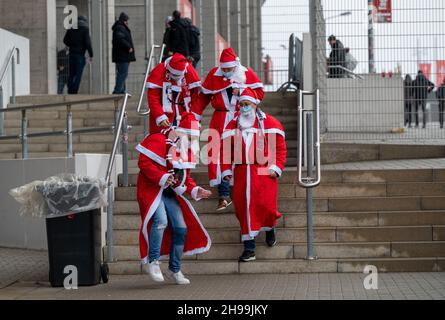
[{"x": 75, "y": 240}]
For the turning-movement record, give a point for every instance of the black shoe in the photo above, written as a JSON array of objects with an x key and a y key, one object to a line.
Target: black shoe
[
  {"x": 247, "y": 256},
  {"x": 270, "y": 238}
]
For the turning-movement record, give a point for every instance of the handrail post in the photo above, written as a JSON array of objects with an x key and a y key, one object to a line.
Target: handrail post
[
  {"x": 13, "y": 97},
  {"x": 309, "y": 191},
  {"x": 69, "y": 132},
  {"x": 2, "y": 115},
  {"x": 24, "y": 135},
  {"x": 116, "y": 122},
  {"x": 109, "y": 235},
  {"x": 125, "y": 150}
]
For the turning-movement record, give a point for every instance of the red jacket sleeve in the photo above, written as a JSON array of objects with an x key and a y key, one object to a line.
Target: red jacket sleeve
[
  {"x": 154, "y": 97},
  {"x": 201, "y": 104},
  {"x": 277, "y": 150},
  {"x": 152, "y": 171}
]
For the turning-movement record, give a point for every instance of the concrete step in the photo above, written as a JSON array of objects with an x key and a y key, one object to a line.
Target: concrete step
[
  {"x": 321, "y": 234},
  {"x": 289, "y": 266},
  {"x": 320, "y": 219},
  {"x": 425, "y": 249},
  {"x": 338, "y": 190},
  {"x": 15, "y": 148}
]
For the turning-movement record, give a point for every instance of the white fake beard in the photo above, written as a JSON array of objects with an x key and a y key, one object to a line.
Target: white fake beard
[
  {"x": 239, "y": 76},
  {"x": 246, "y": 120}
]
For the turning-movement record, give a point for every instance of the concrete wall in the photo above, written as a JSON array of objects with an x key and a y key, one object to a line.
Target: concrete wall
[
  {"x": 374, "y": 104},
  {"x": 28, "y": 232},
  {"x": 35, "y": 20},
  {"x": 22, "y": 83}
]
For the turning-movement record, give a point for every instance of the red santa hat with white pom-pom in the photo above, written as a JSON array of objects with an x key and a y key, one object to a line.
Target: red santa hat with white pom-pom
[
  {"x": 249, "y": 95},
  {"x": 176, "y": 64},
  {"x": 229, "y": 59}
]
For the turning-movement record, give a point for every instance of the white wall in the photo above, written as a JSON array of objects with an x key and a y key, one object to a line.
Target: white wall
[
  {"x": 8, "y": 40},
  {"x": 27, "y": 232}
]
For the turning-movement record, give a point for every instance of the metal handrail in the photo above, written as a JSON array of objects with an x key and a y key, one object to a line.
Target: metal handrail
[
  {"x": 147, "y": 72},
  {"x": 61, "y": 104},
  {"x": 119, "y": 125},
  {"x": 309, "y": 182},
  {"x": 11, "y": 55},
  {"x": 347, "y": 70}
]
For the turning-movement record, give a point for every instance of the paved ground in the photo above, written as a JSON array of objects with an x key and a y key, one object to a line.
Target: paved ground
[{"x": 24, "y": 274}]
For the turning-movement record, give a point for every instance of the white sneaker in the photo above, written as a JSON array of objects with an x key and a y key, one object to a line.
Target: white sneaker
[
  {"x": 177, "y": 277},
  {"x": 154, "y": 270}
]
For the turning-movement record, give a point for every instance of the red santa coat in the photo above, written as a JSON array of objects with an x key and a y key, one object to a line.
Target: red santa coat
[
  {"x": 248, "y": 156},
  {"x": 161, "y": 91},
  {"x": 150, "y": 186},
  {"x": 214, "y": 91}
]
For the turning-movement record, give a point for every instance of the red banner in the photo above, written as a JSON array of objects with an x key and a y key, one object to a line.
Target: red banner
[
  {"x": 426, "y": 69},
  {"x": 383, "y": 11},
  {"x": 187, "y": 10},
  {"x": 440, "y": 67}
]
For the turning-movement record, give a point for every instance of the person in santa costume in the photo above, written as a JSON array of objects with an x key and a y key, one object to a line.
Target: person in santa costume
[
  {"x": 221, "y": 88},
  {"x": 170, "y": 224},
  {"x": 253, "y": 155},
  {"x": 173, "y": 87}
]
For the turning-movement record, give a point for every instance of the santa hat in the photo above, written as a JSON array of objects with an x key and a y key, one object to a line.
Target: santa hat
[
  {"x": 229, "y": 59},
  {"x": 176, "y": 64},
  {"x": 249, "y": 95},
  {"x": 188, "y": 125}
]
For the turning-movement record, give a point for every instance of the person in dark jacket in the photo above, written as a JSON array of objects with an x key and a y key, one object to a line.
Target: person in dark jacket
[
  {"x": 123, "y": 52},
  {"x": 441, "y": 97},
  {"x": 166, "y": 38},
  {"x": 337, "y": 57},
  {"x": 408, "y": 97},
  {"x": 421, "y": 87},
  {"x": 78, "y": 41},
  {"x": 63, "y": 69},
  {"x": 194, "y": 43},
  {"x": 177, "y": 38}
]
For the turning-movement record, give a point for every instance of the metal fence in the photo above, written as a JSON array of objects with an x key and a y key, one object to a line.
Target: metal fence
[{"x": 372, "y": 89}]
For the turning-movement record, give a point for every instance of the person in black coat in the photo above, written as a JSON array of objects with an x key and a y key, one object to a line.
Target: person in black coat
[
  {"x": 441, "y": 97},
  {"x": 337, "y": 57},
  {"x": 123, "y": 52},
  {"x": 408, "y": 97},
  {"x": 177, "y": 41},
  {"x": 194, "y": 42},
  {"x": 421, "y": 87},
  {"x": 79, "y": 42}
]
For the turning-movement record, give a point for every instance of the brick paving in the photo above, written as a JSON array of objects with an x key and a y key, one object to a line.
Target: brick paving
[{"x": 23, "y": 275}]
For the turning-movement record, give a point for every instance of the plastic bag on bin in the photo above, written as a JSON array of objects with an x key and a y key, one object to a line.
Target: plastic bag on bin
[{"x": 60, "y": 195}]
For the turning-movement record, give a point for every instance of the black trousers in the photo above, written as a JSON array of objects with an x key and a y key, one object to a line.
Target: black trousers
[
  {"x": 421, "y": 103},
  {"x": 441, "y": 112}
]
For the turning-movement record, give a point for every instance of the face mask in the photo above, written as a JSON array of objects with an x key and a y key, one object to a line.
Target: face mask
[
  {"x": 246, "y": 109},
  {"x": 229, "y": 75}
]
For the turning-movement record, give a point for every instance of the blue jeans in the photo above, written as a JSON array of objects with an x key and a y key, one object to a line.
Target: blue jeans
[
  {"x": 168, "y": 213},
  {"x": 250, "y": 245},
  {"x": 121, "y": 77},
  {"x": 77, "y": 64},
  {"x": 224, "y": 189}
]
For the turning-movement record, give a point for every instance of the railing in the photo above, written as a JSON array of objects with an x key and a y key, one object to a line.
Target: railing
[
  {"x": 122, "y": 125},
  {"x": 69, "y": 131},
  {"x": 146, "y": 112},
  {"x": 309, "y": 182},
  {"x": 349, "y": 73},
  {"x": 9, "y": 62}
]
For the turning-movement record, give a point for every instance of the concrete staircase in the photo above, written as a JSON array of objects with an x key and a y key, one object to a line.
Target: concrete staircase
[{"x": 393, "y": 219}]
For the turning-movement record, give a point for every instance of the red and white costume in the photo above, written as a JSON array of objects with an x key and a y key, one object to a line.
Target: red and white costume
[
  {"x": 217, "y": 90},
  {"x": 248, "y": 156},
  {"x": 169, "y": 99},
  {"x": 154, "y": 172}
]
